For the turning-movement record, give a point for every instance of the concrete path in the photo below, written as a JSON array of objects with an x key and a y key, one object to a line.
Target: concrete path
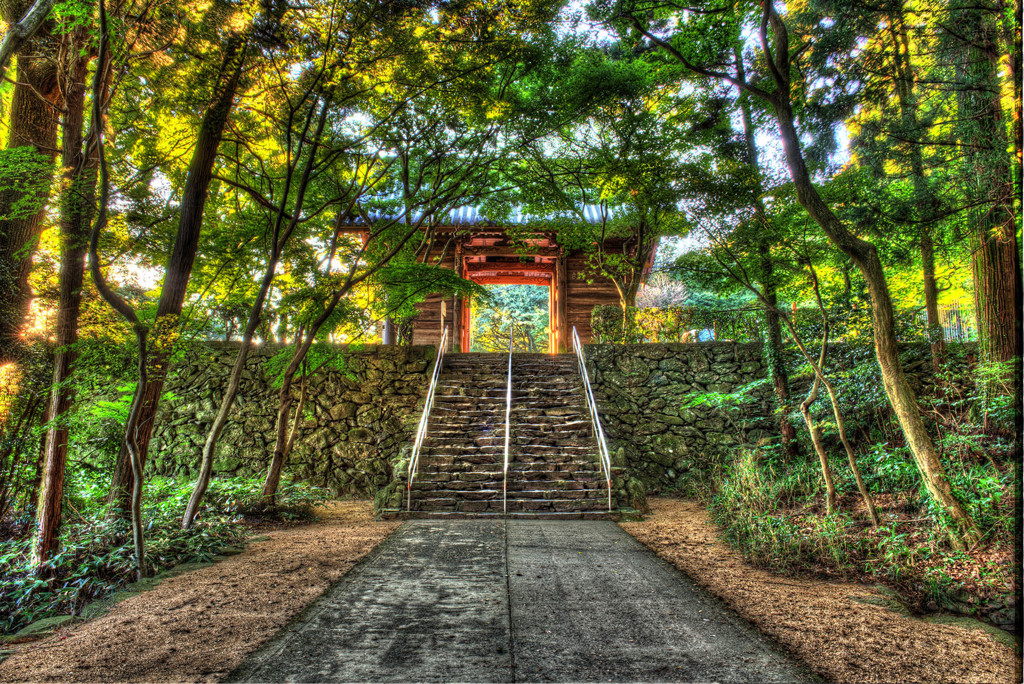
[{"x": 517, "y": 601}]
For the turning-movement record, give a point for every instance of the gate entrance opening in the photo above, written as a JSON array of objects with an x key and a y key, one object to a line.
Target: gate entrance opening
[{"x": 522, "y": 310}]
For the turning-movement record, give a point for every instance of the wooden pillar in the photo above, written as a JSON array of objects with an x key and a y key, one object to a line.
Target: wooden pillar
[
  {"x": 552, "y": 336},
  {"x": 465, "y": 307},
  {"x": 456, "y": 332},
  {"x": 561, "y": 303}
]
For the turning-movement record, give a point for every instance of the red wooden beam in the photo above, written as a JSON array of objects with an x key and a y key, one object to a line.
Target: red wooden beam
[
  {"x": 504, "y": 250},
  {"x": 520, "y": 268},
  {"x": 510, "y": 280}
]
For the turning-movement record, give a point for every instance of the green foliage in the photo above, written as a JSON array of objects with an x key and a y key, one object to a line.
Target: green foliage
[
  {"x": 851, "y": 325},
  {"x": 408, "y": 284},
  {"x": 24, "y": 393},
  {"x": 25, "y": 177},
  {"x": 888, "y": 469},
  {"x": 674, "y": 324},
  {"x": 320, "y": 356},
  {"x": 765, "y": 507},
  {"x": 96, "y": 555},
  {"x": 523, "y": 308}
]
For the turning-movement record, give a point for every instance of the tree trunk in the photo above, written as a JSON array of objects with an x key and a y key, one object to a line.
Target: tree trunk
[
  {"x": 819, "y": 372},
  {"x": 76, "y": 211},
  {"x": 228, "y": 401},
  {"x": 805, "y": 407},
  {"x": 278, "y": 241},
  {"x": 114, "y": 300},
  {"x": 284, "y": 405},
  {"x": 819, "y": 446},
  {"x": 179, "y": 265},
  {"x": 897, "y": 388},
  {"x": 297, "y": 419},
  {"x": 996, "y": 259},
  {"x": 773, "y": 339},
  {"x": 1010, "y": 14},
  {"x": 924, "y": 200},
  {"x": 30, "y": 21},
  {"x": 134, "y": 453},
  {"x": 33, "y": 123}
]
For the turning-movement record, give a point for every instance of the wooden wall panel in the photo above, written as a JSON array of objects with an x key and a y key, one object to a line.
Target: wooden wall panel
[
  {"x": 584, "y": 296},
  {"x": 426, "y": 327}
]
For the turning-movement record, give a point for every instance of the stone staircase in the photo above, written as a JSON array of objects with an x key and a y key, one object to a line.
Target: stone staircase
[{"x": 554, "y": 466}]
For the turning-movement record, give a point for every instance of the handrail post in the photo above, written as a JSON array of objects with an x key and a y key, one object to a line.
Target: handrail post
[
  {"x": 508, "y": 423},
  {"x": 421, "y": 430},
  {"x": 595, "y": 419}
]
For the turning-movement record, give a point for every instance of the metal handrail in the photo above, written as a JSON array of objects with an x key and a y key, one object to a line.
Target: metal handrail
[
  {"x": 421, "y": 431},
  {"x": 595, "y": 420},
  {"x": 508, "y": 422}
]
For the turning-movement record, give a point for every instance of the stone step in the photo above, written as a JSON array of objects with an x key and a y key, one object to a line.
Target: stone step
[
  {"x": 582, "y": 480},
  {"x": 460, "y": 404},
  {"x": 477, "y": 359},
  {"x": 444, "y": 412},
  {"x": 519, "y": 399},
  {"x": 500, "y": 383},
  {"x": 518, "y": 436},
  {"x": 553, "y": 470},
  {"x": 521, "y": 402},
  {"x": 511, "y": 494},
  {"x": 553, "y": 424},
  {"x": 548, "y": 378},
  {"x": 495, "y": 437},
  {"x": 518, "y": 371},
  {"x": 451, "y": 456},
  {"x": 520, "y": 515},
  {"x": 497, "y": 505},
  {"x": 485, "y": 478},
  {"x": 445, "y": 463}
]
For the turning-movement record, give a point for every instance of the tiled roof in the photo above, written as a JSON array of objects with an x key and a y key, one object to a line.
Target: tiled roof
[{"x": 471, "y": 216}]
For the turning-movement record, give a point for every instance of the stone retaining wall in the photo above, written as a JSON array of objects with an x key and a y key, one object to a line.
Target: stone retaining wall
[
  {"x": 666, "y": 425},
  {"x": 361, "y": 407},
  {"x": 657, "y": 427},
  {"x": 658, "y": 403}
]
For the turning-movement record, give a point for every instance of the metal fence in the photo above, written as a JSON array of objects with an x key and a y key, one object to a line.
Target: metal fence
[
  {"x": 695, "y": 324},
  {"x": 958, "y": 323}
]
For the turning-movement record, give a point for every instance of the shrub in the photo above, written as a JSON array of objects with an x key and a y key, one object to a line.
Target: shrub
[{"x": 97, "y": 555}]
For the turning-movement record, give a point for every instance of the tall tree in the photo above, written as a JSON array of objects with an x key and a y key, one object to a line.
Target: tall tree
[
  {"x": 180, "y": 260},
  {"x": 76, "y": 209},
  {"x": 116, "y": 302},
  {"x": 766, "y": 266},
  {"x": 33, "y": 116},
  {"x": 301, "y": 159},
  {"x": 610, "y": 176},
  {"x": 972, "y": 38},
  {"x": 702, "y": 58}
]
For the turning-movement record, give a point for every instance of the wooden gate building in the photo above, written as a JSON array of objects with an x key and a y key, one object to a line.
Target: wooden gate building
[{"x": 482, "y": 251}]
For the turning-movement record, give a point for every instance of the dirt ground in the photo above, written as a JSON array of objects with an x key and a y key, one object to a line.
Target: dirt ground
[
  {"x": 200, "y": 625},
  {"x": 826, "y": 624}
]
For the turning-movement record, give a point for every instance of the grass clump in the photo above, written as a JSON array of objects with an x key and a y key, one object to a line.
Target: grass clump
[{"x": 772, "y": 511}]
